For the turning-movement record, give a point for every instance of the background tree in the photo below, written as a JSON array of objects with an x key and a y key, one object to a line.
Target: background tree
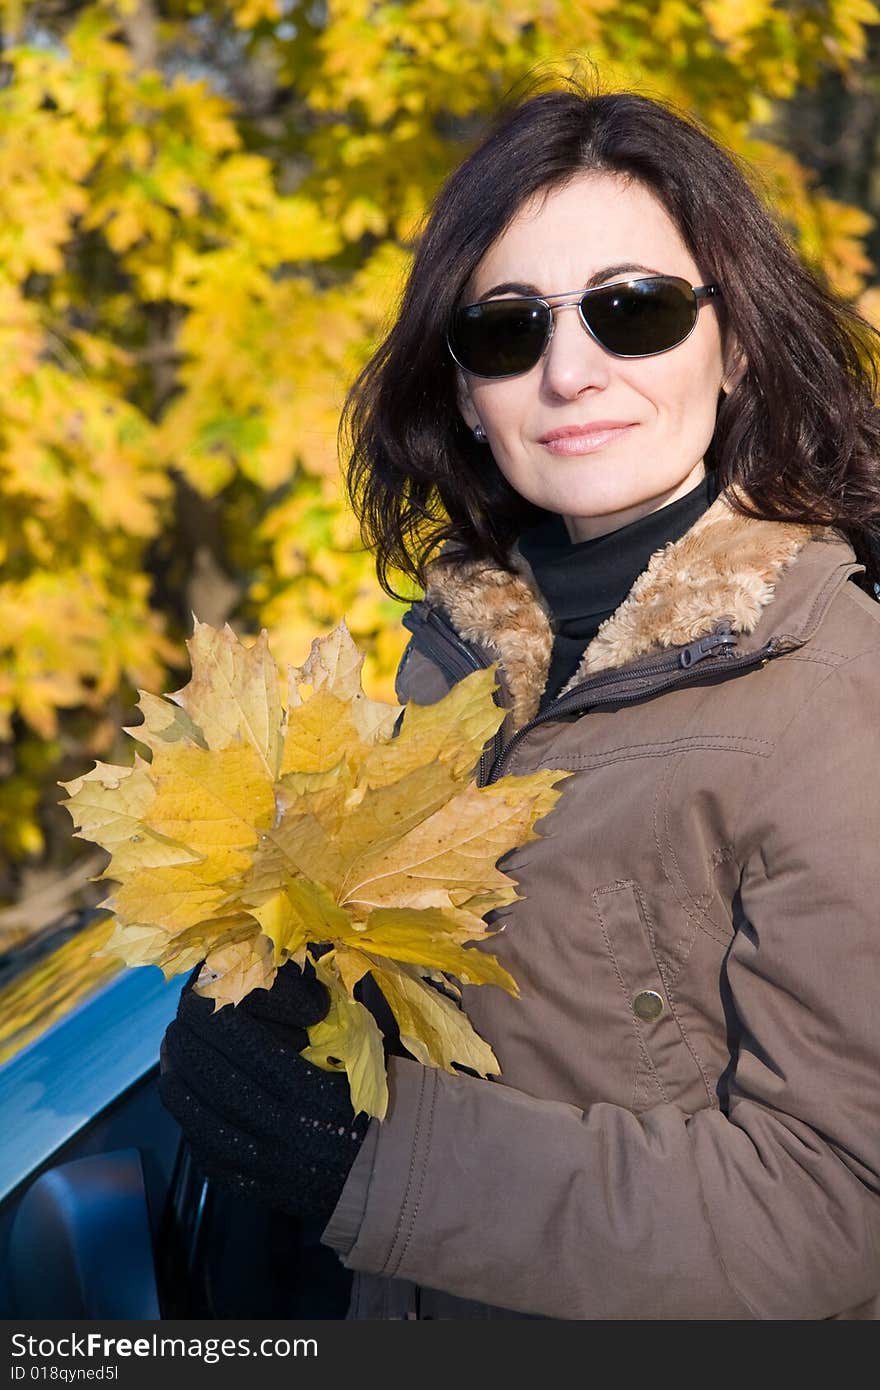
[{"x": 208, "y": 213}]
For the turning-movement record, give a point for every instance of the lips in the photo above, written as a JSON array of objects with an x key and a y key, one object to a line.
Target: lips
[
  {"x": 585, "y": 439},
  {"x": 588, "y": 427}
]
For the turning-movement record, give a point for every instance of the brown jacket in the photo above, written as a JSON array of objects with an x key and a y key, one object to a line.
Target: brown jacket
[{"x": 687, "y": 1124}]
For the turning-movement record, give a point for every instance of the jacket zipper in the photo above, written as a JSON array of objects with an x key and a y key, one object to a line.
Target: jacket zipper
[
  {"x": 589, "y": 696},
  {"x": 458, "y": 660}
]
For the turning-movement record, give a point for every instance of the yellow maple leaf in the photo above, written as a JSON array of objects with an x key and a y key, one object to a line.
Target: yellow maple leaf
[
  {"x": 451, "y": 732},
  {"x": 176, "y": 898},
  {"x": 234, "y": 693},
  {"x": 433, "y": 1028},
  {"x": 164, "y": 723},
  {"x": 234, "y": 968},
  {"x": 303, "y": 911},
  {"x": 349, "y": 1037},
  {"x": 263, "y": 828},
  {"x": 215, "y": 801},
  {"x": 176, "y": 951},
  {"x": 427, "y": 937},
  {"x": 111, "y": 802},
  {"x": 449, "y": 856},
  {"x": 318, "y": 734}
]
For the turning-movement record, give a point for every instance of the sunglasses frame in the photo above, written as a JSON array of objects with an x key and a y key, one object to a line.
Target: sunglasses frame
[{"x": 575, "y": 299}]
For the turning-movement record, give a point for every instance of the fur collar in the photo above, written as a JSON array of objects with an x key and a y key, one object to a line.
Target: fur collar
[{"x": 725, "y": 567}]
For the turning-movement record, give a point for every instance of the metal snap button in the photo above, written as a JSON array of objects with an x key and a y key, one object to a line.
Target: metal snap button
[{"x": 648, "y": 1005}]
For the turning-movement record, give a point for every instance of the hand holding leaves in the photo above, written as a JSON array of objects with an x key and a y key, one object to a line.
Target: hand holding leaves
[{"x": 258, "y": 1117}]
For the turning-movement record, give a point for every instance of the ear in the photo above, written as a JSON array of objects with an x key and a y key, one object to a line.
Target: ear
[
  {"x": 465, "y": 404},
  {"x": 735, "y": 368}
]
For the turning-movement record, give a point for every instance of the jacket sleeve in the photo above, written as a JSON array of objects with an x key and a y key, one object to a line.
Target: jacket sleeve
[{"x": 766, "y": 1207}]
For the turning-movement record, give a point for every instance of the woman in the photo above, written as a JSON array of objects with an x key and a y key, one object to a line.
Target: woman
[{"x": 646, "y": 440}]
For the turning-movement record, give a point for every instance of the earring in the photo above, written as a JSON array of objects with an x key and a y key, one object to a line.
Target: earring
[{"x": 480, "y": 434}]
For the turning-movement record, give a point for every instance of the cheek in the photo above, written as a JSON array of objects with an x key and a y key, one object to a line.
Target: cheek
[
  {"x": 686, "y": 386},
  {"x": 501, "y": 405}
]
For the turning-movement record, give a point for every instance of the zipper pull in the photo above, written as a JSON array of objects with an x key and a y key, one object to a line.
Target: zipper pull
[{"x": 715, "y": 644}]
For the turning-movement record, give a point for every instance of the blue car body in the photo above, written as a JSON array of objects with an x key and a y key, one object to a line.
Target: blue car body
[
  {"x": 104, "y": 1213},
  {"x": 56, "y": 1086}
]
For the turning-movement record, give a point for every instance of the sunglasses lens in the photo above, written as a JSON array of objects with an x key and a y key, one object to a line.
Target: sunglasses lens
[
  {"x": 504, "y": 337},
  {"x": 500, "y": 337},
  {"x": 643, "y": 317}
]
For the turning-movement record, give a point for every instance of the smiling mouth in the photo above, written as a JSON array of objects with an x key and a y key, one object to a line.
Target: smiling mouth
[{"x": 587, "y": 442}]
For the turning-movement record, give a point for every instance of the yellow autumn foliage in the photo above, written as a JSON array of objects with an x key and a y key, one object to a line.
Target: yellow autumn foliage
[
  {"x": 208, "y": 216},
  {"x": 267, "y": 822}
]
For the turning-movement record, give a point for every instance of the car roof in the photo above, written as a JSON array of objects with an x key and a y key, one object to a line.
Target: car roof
[{"x": 62, "y": 1080}]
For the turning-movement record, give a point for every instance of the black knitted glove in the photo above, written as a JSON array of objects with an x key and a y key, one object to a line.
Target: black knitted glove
[
  {"x": 258, "y": 1117},
  {"x": 296, "y": 1001}
]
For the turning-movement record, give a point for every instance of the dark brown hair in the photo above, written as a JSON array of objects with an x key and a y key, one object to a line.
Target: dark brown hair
[{"x": 800, "y": 431}]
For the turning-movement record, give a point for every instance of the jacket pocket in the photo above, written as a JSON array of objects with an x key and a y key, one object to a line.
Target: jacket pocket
[{"x": 666, "y": 1068}]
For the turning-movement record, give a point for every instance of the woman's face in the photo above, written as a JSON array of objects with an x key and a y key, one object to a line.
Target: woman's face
[{"x": 667, "y": 403}]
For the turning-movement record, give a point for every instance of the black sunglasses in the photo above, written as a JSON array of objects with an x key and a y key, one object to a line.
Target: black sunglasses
[{"x": 630, "y": 318}]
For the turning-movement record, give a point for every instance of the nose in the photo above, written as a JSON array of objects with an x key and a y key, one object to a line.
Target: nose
[{"x": 573, "y": 361}]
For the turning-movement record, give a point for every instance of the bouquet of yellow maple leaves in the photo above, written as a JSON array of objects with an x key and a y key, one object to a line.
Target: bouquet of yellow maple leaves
[{"x": 281, "y": 812}]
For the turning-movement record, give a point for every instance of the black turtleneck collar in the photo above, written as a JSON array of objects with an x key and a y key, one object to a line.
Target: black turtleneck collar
[{"x": 584, "y": 582}]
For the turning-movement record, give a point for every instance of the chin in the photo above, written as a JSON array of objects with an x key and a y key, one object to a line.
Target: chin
[
  {"x": 616, "y": 496},
  {"x": 604, "y": 504}
]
